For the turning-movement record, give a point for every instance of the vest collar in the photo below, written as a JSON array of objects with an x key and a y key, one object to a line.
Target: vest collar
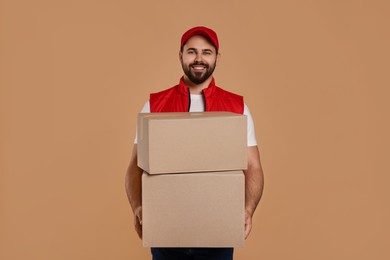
[{"x": 183, "y": 88}]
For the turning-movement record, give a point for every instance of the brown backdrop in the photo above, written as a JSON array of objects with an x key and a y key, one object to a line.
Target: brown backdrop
[{"x": 74, "y": 74}]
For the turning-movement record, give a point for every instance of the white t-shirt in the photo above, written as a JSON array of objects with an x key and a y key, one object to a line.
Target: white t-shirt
[{"x": 197, "y": 105}]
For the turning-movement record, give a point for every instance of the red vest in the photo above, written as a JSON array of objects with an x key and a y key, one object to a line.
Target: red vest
[{"x": 178, "y": 99}]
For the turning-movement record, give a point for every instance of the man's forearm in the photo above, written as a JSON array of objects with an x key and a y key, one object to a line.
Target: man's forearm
[
  {"x": 254, "y": 180},
  {"x": 133, "y": 182}
]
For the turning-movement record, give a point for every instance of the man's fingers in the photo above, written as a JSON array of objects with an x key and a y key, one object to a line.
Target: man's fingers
[
  {"x": 138, "y": 228},
  {"x": 248, "y": 225},
  {"x": 138, "y": 221},
  {"x": 248, "y": 228},
  {"x": 139, "y": 215}
]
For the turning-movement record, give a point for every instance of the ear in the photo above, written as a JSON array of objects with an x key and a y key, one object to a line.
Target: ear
[
  {"x": 218, "y": 57},
  {"x": 180, "y": 55}
]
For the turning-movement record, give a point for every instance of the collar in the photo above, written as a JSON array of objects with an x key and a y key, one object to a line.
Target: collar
[{"x": 183, "y": 88}]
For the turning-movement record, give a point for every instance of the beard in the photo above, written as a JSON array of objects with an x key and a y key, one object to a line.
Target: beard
[{"x": 198, "y": 77}]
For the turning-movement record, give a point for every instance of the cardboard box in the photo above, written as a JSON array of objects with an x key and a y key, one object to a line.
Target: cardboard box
[
  {"x": 193, "y": 209},
  {"x": 191, "y": 142}
]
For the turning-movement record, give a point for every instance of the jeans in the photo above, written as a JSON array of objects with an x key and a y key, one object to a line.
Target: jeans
[{"x": 192, "y": 253}]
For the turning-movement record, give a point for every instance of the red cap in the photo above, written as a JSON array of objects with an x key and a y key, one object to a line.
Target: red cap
[{"x": 200, "y": 30}]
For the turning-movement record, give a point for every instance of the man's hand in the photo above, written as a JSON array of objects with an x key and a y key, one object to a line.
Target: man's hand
[
  {"x": 133, "y": 184},
  {"x": 248, "y": 223},
  {"x": 138, "y": 221},
  {"x": 254, "y": 181}
]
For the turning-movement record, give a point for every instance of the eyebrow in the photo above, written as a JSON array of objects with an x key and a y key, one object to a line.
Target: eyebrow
[{"x": 204, "y": 50}]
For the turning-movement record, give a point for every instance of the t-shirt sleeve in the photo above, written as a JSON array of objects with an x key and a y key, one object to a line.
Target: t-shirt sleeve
[
  {"x": 145, "y": 109},
  {"x": 251, "y": 135}
]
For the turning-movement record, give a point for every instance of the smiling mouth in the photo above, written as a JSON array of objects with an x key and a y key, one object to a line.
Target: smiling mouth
[{"x": 198, "y": 67}]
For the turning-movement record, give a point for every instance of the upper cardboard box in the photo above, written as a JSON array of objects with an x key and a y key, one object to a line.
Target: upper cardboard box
[{"x": 191, "y": 142}]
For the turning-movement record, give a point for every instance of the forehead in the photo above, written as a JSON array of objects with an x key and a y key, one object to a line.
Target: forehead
[{"x": 199, "y": 42}]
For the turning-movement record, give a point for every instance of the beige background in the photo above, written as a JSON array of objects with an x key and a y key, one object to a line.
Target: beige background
[{"x": 74, "y": 74}]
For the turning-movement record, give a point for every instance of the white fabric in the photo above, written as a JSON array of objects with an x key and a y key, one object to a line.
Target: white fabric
[{"x": 197, "y": 105}]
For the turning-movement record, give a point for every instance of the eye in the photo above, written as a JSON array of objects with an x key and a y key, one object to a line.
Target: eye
[
  {"x": 207, "y": 53},
  {"x": 190, "y": 51}
]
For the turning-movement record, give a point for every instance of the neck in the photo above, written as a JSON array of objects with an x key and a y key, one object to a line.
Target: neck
[{"x": 197, "y": 88}]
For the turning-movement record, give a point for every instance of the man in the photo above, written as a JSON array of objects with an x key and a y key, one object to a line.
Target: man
[{"x": 197, "y": 92}]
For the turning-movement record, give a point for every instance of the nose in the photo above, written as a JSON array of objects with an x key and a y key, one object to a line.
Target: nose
[{"x": 198, "y": 57}]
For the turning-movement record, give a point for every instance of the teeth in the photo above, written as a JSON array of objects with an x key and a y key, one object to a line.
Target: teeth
[{"x": 198, "y": 67}]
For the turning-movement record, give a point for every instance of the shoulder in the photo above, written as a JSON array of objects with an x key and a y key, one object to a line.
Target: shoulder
[
  {"x": 164, "y": 92},
  {"x": 224, "y": 92},
  {"x": 227, "y": 94}
]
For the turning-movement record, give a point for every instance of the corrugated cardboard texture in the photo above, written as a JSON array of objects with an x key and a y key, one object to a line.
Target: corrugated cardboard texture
[
  {"x": 193, "y": 209},
  {"x": 191, "y": 142}
]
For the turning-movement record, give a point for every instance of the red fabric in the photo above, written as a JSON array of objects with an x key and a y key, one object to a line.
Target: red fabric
[
  {"x": 176, "y": 99},
  {"x": 200, "y": 30}
]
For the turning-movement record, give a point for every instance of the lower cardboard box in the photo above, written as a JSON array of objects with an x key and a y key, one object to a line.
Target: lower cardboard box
[{"x": 193, "y": 209}]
